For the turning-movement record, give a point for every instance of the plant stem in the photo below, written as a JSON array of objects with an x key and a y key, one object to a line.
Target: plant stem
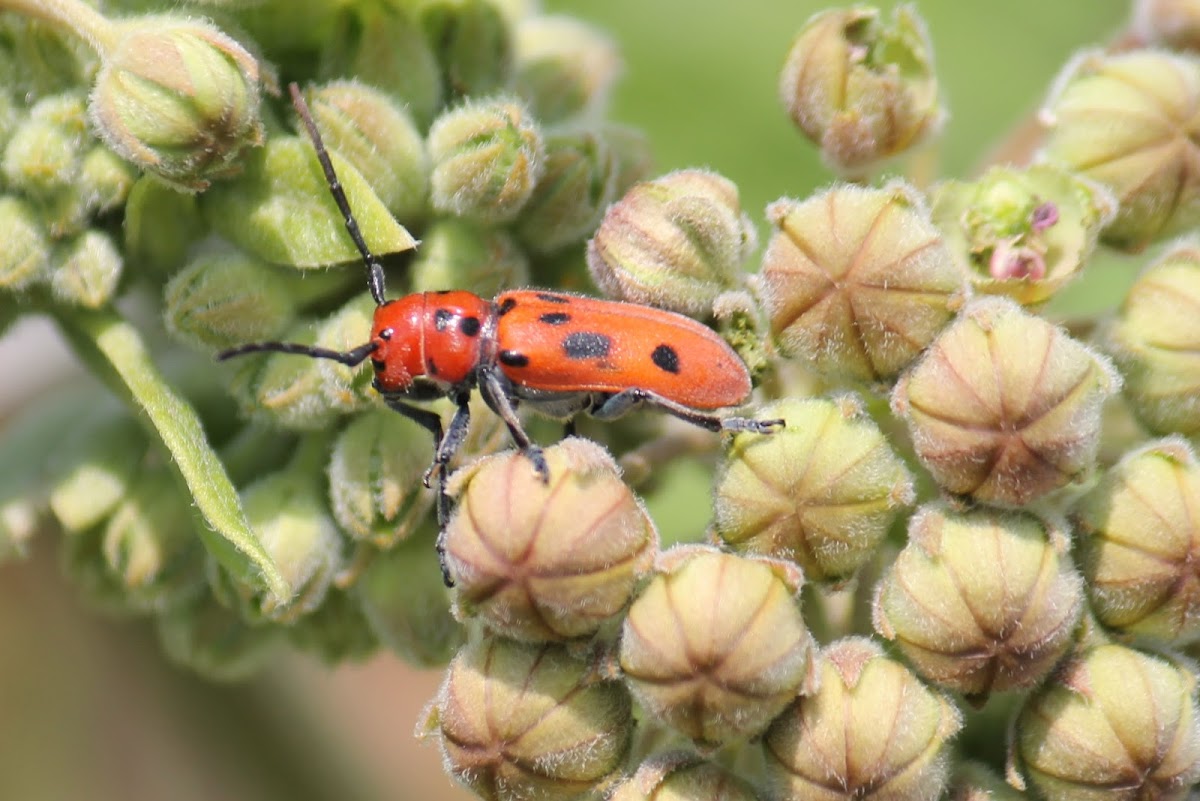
[{"x": 73, "y": 15}]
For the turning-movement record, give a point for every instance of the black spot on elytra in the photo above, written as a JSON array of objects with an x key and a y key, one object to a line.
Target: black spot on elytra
[
  {"x": 430, "y": 366},
  {"x": 546, "y": 296},
  {"x": 441, "y": 319},
  {"x": 555, "y": 318},
  {"x": 586, "y": 345},
  {"x": 469, "y": 326},
  {"x": 443, "y": 292},
  {"x": 665, "y": 358},
  {"x": 512, "y": 358},
  {"x": 508, "y": 305}
]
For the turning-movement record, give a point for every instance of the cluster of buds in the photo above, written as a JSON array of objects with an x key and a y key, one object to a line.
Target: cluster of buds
[{"x": 946, "y": 512}]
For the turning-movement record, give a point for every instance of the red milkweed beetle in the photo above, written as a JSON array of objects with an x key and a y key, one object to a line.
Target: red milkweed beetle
[{"x": 561, "y": 354}]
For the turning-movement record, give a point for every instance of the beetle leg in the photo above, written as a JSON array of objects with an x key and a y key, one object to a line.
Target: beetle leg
[
  {"x": 460, "y": 425},
  {"x": 499, "y": 397},
  {"x": 614, "y": 406}
]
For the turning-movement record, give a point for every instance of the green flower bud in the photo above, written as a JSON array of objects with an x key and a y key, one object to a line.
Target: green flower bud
[
  {"x": 177, "y": 98},
  {"x": 337, "y": 631},
  {"x": 94, "y": 469},
  {"x": 858, "y": 281},
  {"x": 161, "y": 224},
  {"x": 383, "y": 44},
  {"x": 564, "y": 67},
  {"x": 862, "y": 89},
  {"x": 631, "y": 149},
  {"x": 821, "y": 493},
  {"x": 1001, "y": 622},
  {"x": 473, "y": 43},
  {"x": 1004, "y": 407},
  {"x": 88, "y": 269},
  {"x": 872, "y": 730},
  {"x": 42, "y": 156},
  {"x": 1022, "y": 233},
  {"x": 150, "y": 544},
  {"x": 40, "y": 58},
  {"x": 25, "y": 257},
  {"x": 715, "y": 646},
  {"x": 375, "y": 475},
  {"x": 460, "y": 253},
  {"x": 212, "y": 640},
  {"x": 1128, "y": 122},
  {"x": 569, "y": 200},
  {"x": 677, "y": 242},
  {"x": 287, "y": 512},
  {"x": 487, "y": 157},
  {"x": 1174, "y": 23},
  {"x": 1139, "y": 543},
  {"x": 546, "y": 562},
  {"x": 680, "y": 776},
  {"x": 528, "y": 721},
  {"x": 973, "y": 781},
  {"x": 378, "y": 137},
  {"x": 408, "y": 607},
  {"x": 1154, "y": 339},
  {"x": 224, "y": 299},
  {"x": 1113, "y": 723},
  {"x": 347, "y": 389}
]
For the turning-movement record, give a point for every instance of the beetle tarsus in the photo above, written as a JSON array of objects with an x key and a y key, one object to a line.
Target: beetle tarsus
[{"x": 738, "y": 425}]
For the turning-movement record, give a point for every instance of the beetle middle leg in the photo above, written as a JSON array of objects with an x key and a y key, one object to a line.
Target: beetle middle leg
[
  {"x": 613, "y": 406},
  {"x": 497, "y": 394}
]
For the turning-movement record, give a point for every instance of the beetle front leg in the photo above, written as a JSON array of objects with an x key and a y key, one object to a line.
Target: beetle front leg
[
  {"x": 456, "y": 434},
  {"x": 499, "y": 399},
  {"x": 626, "y": 400}
]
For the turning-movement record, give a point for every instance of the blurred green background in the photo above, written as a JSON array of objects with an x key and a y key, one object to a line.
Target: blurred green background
[{"x": 88, "y": 707}]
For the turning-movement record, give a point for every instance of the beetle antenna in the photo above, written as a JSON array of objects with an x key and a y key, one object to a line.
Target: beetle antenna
[
  {"x": 350, "y": 358},
  {"x": 374, "y": 268}
]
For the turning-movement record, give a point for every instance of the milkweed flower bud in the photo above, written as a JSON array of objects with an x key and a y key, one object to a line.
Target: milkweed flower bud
[
  {"x": 546, "y": 562},
  {"x": 473, "y": 43},
  {"x": 862, "y": 89},
  {"x": 104, "y": 181},
  {"x": 94, "y": 469},
  {"x": 179, "y": 98},
  {"x": 715, "y": 646},
  {"x": 677, "y": 242},
  {"x": 821, "y": 493},
  {"x": 682, "y": 777},
  {"x": 1022, "y": 233},
  {"x": 833, "y": 744},
  {"x": 403, "y": 597},
  {"x": 1153, "y": 339},
  {"x": 1139, "y": 543},
  {"x": 1174, "y": 23},
  {"x": 42, "y": 156},
  {"x": 488, "y": 156},
  {"x": 214, "y": 641},
  {"x": 1112, "y": 723},
  {"x": 160, "y": 226},
  {"x": 1129, "y": 122},
  {"x": 224, "y": 299},
  {"x": 88, "y": 269},
  {"x": 1001, "y": 622},
  {"x": 568, "y": 202},
  {"x": 379, "y": 138},
  {"x": 564, "y": 67},
  {"x": 25, "y": 257},
  {"x": 973, "y": 781},
  {"x": 375, "y": 477},
  {"x": 857, "y": 281},
  {"x": 519, "y": 721},
  {"x": 459, "y": 253},
  {"x": 1004, "y": 407},
  {"x": 281, "y": 389}
]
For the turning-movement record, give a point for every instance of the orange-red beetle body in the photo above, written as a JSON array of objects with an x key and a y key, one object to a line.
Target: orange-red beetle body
[{"x": 562, "y": 354}]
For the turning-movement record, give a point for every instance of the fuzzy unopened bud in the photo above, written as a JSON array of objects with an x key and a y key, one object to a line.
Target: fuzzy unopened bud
[
  {"x": 1002, "y": 622},
  {"x": 715, "y": 645},
  {"x": 94, "y": 469},
  {"x": 520, "y": 721},
  {"x": 681, "y": 776},
  {"x": 87, "y": 270},
  {"x": 214, "y": 641},
  {"x": 862, "y": 89},
  {"x": 179, "y": 98},
  {"x": 580, "y": 182},
  {"x": 473, "y": 43},
  {"x": 564, "y": 67},
  {"x": 1005, "y": 407},
  {"x": 821, "y": 493},
  {"x": 544, "y": 562},
  {"x": 858, "y": 281},
  {"x": 677, "y": 242},
  {"x": 224, "y": 299},
  {"x": 1128, "y": 121},
  {"x": 834, "y": 746},
  {"x": 460, "y": 253},
  {"x": 1153, "y": 341},
  {"x": 487, "y": 158},
  {"x": 1111, "y": 718},
  {"x": 25, "y": 257},
  {"x": 1139, "y": 543},
  {"x": 160, "y": 225}
]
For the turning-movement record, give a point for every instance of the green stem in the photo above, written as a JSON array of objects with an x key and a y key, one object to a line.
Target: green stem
[{"x": 73, "y": 15}]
